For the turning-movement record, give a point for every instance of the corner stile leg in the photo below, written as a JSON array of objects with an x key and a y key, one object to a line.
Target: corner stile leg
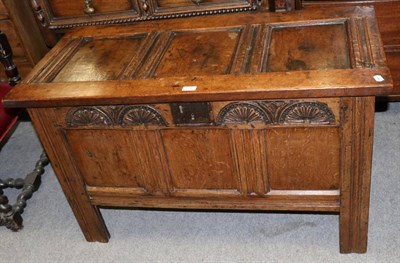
[
  {"x": 357, "y": 145},
  {"x": 88, "y": 216}
]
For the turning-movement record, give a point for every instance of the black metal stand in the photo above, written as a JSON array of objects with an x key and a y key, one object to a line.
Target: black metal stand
[{"x": 10, "y": 215}]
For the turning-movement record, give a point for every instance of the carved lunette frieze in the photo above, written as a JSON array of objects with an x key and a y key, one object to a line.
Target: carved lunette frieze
[
  {"x": 114, "y": 116},
  {"x": 246, "y": 112},
  {"x": 276, "y": 112}
]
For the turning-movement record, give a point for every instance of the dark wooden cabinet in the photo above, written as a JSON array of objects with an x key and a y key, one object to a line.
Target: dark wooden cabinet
[
  {"x": 172, "y": 8},
  {"x": 62, "y": 9},
  {"x": 66, "y": 14},
  {"x": 256, "y": 111},
  {"x": 18, "y": 23}
]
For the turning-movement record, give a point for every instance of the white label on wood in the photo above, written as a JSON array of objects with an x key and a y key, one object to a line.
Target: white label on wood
[
  {"x": 378, "y": 78},
  {"x": 189, "y": 88}
]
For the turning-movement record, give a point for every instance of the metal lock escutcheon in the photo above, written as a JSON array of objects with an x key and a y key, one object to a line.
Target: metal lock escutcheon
[{"x": 191, "y": 113}]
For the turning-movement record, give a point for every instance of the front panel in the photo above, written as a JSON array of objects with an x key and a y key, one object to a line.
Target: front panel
[{"x": 263, "y": 149}]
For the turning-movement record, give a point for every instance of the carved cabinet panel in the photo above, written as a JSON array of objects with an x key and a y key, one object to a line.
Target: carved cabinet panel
[
  {"x": 62, "y": 8},
  {"x": 66, "y": 14},
  {"x": 176, "y": 8},
  {"x": 81, "y": 12},
  {"x": 27, "y": 42}
]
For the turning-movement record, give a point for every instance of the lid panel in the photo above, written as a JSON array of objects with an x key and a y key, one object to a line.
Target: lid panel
[
  {"x": 198, "y": 53},
  {"x": 100, "y": 59},
  {"x": 212, "y": 51},
  {"x": 313, "y": 47}
]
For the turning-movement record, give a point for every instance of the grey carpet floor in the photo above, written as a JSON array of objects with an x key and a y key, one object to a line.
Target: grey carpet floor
[{"x": 51, "y": 233}]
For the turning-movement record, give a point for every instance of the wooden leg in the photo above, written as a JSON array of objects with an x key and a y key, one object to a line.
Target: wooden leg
[
  {"x": 87, "y": 215},
  {"x": 356, "y": 174}
]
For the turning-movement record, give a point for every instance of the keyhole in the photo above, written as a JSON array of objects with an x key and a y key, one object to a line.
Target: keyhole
[{"x": 192, "y": 117}]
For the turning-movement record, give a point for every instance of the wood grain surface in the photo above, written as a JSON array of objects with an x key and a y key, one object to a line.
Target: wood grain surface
[{"x": 239, "y": 113}]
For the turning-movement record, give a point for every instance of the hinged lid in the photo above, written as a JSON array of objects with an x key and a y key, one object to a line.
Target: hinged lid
[{"x": 320, "y": 53}]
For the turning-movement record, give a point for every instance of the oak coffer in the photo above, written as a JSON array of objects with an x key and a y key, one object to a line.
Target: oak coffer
[{"x": 261, "y": 111}]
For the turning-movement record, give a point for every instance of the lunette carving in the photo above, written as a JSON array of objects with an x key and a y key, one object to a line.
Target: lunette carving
[
  {"x": 242, "y": 112},
  {"x": 88, "y": 116},
  {"x": 307, "y": 112},
  {"x": 276, "y": 112},
  {"x": 140, "y": 115},
  {"x": 127, "y": 115}
]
